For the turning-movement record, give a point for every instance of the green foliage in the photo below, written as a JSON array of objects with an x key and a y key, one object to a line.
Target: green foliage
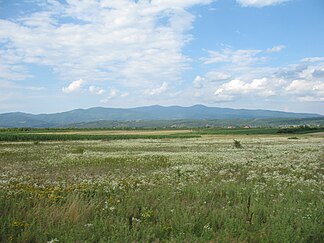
[
  {"x": 167, "y": 124},
  {"x": 293, "y": 138},
  {"x": 237, "y": 144},
  {"x": 13, "y": 136},
  {"x": 188, "y": 123},
  {"x": 245, "y": 131},
  {"x": 301, "y": 130}
]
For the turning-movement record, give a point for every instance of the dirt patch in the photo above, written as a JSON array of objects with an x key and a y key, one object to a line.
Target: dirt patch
[{"x": 316, "y": 134}]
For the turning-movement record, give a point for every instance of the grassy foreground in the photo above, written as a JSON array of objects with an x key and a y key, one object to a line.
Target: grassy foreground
[{"x": 167, "y": 189}]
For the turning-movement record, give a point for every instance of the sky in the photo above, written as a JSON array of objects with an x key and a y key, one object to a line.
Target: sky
[{"x": 59, "y": 55}]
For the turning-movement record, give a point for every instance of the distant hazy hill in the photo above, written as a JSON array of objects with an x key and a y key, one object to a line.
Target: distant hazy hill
[{"x": 147, "y": 113}]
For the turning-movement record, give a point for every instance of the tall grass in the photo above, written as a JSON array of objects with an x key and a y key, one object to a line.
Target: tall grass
[{"x": 176, "y": 190}]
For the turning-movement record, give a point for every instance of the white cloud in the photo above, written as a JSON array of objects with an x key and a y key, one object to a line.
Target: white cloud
[
  {"x": 114, "y": 94},
  {"x": 307, "y": 90},
  {"x": 313, "y": 59},
  {"x": 311, "y": 99},
  {"x": 209, "y": 79},
  {"x": 319, "y": 87},
  {"x": 242, "y": 57},
  {"x": 221, "y": 96},
  {"x": 198, "y": 82},
  {"x": 260, "y": 3},
  {"x": 306, "y": 83},
  {"x": 96, "y": 90},
  {"x": 298, "y": 86},
  {"x": 238, "y": 87},
  {"x": 124, "y": 95},
  {"x": 158, "y": 91},
  {"x": 10, "y": 65},
  {"x": 74, "y": 86},
  {"x": 245, "y": 75},
  {"x": 179, "y": 3},
  {"x": 318, "y": 73},
  {"x": 276, "y": 48},
  {"x": 10, "y": 85},
  {"x": 215, "y": 76},
  {"x": 132, "y": 43}
]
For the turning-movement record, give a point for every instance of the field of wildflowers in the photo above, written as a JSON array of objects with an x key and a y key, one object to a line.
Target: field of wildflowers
[{"x": 268, "y": 189}]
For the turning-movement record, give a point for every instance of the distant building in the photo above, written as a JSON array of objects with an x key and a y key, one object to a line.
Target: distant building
[
  {"x": 230, "y": 127},
  {"x": 247, "y": 126}
]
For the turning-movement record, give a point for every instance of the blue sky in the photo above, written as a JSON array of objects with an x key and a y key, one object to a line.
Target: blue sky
[{"x": 57, "y": 55}]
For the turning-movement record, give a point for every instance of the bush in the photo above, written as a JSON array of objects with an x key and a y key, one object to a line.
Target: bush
[
  {"x": 293, "y": 138},
  {"x": 237, "y": 144}
]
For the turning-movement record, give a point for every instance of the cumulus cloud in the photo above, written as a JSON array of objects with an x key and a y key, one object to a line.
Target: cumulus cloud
[
  {"x": 319, "y": 87},
  {"x": 236, "y": 86},
  {"x": 199, "y": 82},
  {"x": 209, "y": 79},
  {"x": 276, "y": 48},
  {"x": 260, "y": 3},
  {"x": 157, "y": 91},
  {"x": 74, "y": 86},
  {"x": 113, "y": 94},
  {"x": 132, "y": 43},
  {"x": 318, "y": 73},
  {"x": 299, "y": 86},
  {"x": 96, "y": 90},
  {"x": 245, "y": 75},
  {"x": 307, "y": 90}
]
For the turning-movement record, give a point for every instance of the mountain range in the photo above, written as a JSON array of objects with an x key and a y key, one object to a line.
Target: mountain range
[{"x": 146, "y": 113}]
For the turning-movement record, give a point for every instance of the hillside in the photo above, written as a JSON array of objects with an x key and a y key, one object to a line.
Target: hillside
[{"x": 147, "y": 113}]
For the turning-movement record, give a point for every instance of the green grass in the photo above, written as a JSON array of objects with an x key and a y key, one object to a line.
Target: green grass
[
  {"x": 175, "y": 190},
  {"x": 238, "y": 131},
  {"x": 34, "y": 134},
  {"x": 301, "y": 130},
  {"x": 14, "y": 136},
  {"x": 30, "y": 134},
  {"x": 258, "y": 131}
]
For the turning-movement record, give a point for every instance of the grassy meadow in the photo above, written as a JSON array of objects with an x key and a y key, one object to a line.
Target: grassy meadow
[{"x": 197, "y": 187}]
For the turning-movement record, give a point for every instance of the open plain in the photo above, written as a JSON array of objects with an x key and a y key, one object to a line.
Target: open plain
[{"x": 263, "y": 188}]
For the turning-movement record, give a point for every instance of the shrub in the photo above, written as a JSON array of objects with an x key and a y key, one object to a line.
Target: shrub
[
  {"x": 293, "y": 138},
  {"x": 237, "y": 144}
]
